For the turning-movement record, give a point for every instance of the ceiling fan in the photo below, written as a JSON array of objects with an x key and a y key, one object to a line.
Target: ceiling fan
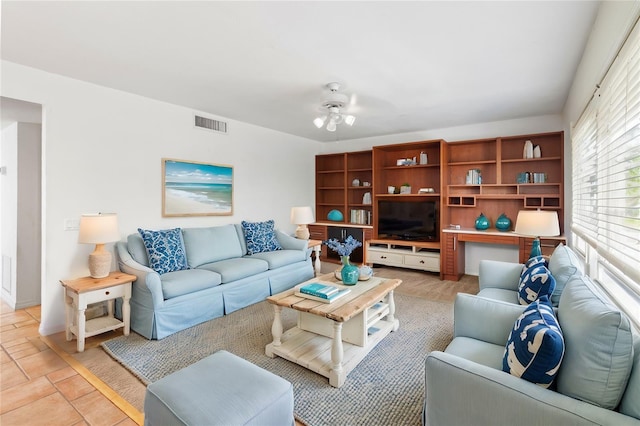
[{"x": 331, "y": 107}]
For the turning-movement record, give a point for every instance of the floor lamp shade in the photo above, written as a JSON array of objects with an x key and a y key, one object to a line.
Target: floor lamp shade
[
  {"x": 537, "y": 223},
  {"x": 302, "y": 216},
  {"x": 99, "y": 229}
]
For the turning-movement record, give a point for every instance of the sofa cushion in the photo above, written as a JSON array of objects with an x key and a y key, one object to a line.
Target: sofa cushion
[
  {"x": 236, "y": 268},
  {"x": 260, "y": 236},
  {"x": 475, "y": 350},
  {"x": 535, "y": 283},
  {"x": 165, "y": 249},
  {"x": 535, "y": 347},
  {"x": 206, "y": 245},
  {"x": 279, "y": 258},
  {"x": 177, "y": 283},
  {"x": 563, "y": 264},
  {"x": 137, "y": 250},
  {"x": 599, "y": 341}
]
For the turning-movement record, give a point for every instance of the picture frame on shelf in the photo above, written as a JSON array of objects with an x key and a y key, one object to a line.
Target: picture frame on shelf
[{"x": 191, "y": 188}]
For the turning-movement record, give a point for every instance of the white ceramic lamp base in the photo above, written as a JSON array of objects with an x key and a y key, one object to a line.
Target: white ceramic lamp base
[
  {"x": 302, "y": 232},
  {"x": 99, "y": 262}
]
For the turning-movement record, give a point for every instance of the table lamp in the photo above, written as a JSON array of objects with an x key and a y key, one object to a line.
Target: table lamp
[
  {"x": 537, "y": 223},
  {"x": 302, "y": 216},
  {"x": 99, "y": 229}
]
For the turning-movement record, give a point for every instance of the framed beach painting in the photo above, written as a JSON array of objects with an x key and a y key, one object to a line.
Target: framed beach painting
[{"x": 190, "y": 188}]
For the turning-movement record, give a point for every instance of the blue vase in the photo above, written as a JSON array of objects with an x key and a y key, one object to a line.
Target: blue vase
[
  {"x": 350, "y": 273},
  {"x": 503, "y": 223},
  {"x": 482, "y": 222}
]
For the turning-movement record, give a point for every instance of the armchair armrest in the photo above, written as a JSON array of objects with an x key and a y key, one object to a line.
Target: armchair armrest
[
  {"x": 461, "y": 392},
  {"x": 497, "y": 274},
  {"x": 291, "y": 243},
  {"x": 484, "y": 319},
  {"x": 147, "y": 281}
]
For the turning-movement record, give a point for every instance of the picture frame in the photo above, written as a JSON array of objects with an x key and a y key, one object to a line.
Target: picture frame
[{"x": 191, "y": 188}]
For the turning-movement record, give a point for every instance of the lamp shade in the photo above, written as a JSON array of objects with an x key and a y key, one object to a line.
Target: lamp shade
[
  {"x": 302, "y": 215},
  {"x": 98, "y": 228},
  {"x": 537, "y": 223}
]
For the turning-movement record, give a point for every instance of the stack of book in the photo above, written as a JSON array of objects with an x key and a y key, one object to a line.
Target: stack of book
[{"x": 326, "y": 293}]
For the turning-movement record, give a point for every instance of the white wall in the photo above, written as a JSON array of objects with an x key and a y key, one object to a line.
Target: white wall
[
  {"x": 102, "y": 151},
  {"x": 521, "y": 126},
  {"x": 28, "y": 258},
  {"x": 9, "y": 202}
]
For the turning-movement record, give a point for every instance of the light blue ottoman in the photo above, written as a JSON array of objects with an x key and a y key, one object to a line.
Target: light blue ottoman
[{"x": 221, "y": 389}]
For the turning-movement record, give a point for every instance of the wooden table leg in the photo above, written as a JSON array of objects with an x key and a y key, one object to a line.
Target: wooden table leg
[
  {"x": 68, "y": 310},
  {"x": 317, "y": 264},
  {"x": 276, "y": 331},
  {"x": 392, "y": 310},
  {"x": 337, "y": 376},
  {"x": 126, "y": 314},
  {"x": 80, "y": 324}
]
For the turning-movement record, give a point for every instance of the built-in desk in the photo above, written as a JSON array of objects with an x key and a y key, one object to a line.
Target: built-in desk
[{"x": 452, "y": 247}]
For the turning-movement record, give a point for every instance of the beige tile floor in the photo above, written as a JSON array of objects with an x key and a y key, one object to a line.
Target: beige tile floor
[{"x": 42, "y": 385}]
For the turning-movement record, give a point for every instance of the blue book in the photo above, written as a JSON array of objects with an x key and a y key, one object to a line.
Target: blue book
[
  {"x": 323, "y": 299},
  {"x": 319, "y": 290}
]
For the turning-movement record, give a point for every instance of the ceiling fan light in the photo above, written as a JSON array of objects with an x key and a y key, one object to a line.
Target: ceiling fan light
[
  {"x": 331, "y": 127},
  {"x": 319, "y": 121},
  {"x": 349, "y": 119}
]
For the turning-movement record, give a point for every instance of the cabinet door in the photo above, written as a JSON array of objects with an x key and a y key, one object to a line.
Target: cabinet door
[
  {"x": 341, "y": 233},
  {"x": 452, "y": 257}
]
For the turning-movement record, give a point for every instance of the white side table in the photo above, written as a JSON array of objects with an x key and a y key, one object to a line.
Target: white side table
[
  {"x": 83, "y": 291},
  {"x": 316, "y": 245}
]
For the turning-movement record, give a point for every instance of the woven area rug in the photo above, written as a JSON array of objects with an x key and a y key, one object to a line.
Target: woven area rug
[{"x": 386, "y": 388}]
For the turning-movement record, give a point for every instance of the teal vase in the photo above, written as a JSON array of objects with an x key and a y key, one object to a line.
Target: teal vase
[
  {"x": 350, "y": 273},
  {"x": 503, "y": 223},
  {"x": 535, "y": 248},
  {"x": 482, "y": 222}
]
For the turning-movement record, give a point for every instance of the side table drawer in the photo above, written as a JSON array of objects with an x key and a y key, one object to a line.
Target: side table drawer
[{"x": 101, "y": 295}]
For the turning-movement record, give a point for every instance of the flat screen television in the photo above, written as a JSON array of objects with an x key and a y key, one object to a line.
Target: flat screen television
[{"x": 408, "y": 220}]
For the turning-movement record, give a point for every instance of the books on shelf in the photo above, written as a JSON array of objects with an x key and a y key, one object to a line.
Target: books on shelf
[
  {"x": 360, "y": 217},
  {"x": 321, "y": 292}
]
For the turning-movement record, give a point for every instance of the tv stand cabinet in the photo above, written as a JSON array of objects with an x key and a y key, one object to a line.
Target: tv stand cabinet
[{"x": 424, "y": 256}]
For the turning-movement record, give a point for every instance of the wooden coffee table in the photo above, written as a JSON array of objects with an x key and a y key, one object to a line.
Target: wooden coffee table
[{"x": 332, "y": 338}]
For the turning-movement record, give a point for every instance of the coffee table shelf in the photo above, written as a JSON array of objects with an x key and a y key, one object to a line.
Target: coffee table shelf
[{"x": 331, "y": 339}]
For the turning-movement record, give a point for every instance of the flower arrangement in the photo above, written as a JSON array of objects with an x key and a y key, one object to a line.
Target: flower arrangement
[{"x": 345, "y": 248}]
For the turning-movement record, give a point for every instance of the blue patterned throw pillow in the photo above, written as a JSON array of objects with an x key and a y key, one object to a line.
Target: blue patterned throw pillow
[
  {"x": 536, "y": 260},
  {"x": 260, "y": 236},
  {"x": 536, "y": 346},
  {"x": 535, "y": 282},
  {"x": 165, "y": 250}
]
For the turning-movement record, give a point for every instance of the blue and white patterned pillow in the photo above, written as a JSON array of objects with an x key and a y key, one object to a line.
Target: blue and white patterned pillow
[
  {"x": 536, "y": 260},
  {"x": 165, "y": 250},
  {"x": 535, "y": 282},
  {"x": 535, "y": 347},
  {"x": 260, "y": 236}
]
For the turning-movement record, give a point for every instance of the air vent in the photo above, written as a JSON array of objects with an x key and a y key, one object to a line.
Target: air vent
[{"x": 211, "y": 124}]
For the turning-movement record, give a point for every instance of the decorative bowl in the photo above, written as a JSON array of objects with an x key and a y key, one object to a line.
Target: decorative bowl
[
  {"x": 366, "y": 272},
  {"x": 335, "y": 216}
]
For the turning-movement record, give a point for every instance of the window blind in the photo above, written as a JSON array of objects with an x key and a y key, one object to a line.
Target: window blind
[{"x": 606, "y": 164}]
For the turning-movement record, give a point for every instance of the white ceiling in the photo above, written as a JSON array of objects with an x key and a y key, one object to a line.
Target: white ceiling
[{"x": 411, "y": 65}]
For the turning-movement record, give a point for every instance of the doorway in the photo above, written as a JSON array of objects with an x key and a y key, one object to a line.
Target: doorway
[{"x": 21, "y": 202}]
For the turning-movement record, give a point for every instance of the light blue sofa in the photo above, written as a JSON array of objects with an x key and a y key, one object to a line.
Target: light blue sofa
[
  {"x": 221, "y": 278},
  {"x": 598, "y": 382}
]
